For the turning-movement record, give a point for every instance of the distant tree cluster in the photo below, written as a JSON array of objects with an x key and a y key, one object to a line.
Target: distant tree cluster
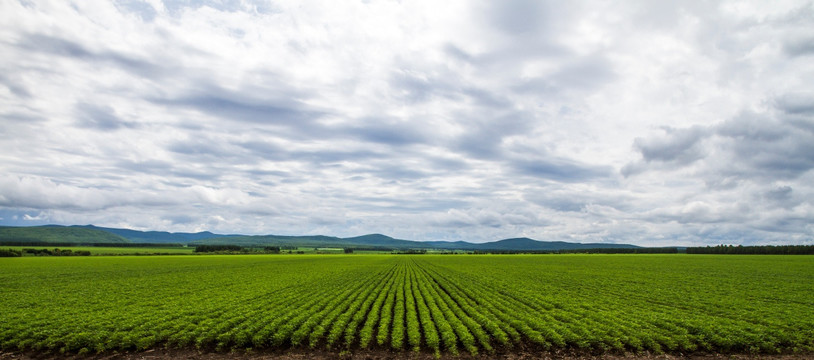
[
  {"x": 372, "y": 248},
  {"x": 217, "y": 248},
  {"x": 127, "y": 245},
  {"x": 136, "y": 245},
  {"x": 10, "y": 253},
  {"x": 754, "y": 250},
  {"x": 412, "y": 251},
  {"x": 56, "y": 252},
  {"x": 237, "y": 249},
  {"x": 666, "y": 250},
  {"x": 18, "y": 242},
  {"x": 484, "y": 252}
]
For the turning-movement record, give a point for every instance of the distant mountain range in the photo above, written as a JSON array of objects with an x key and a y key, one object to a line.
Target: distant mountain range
[
  {"x": 90, "y": 234},
  {"x": 57, "y": 234},
  {"x": 155, "y": 237}
]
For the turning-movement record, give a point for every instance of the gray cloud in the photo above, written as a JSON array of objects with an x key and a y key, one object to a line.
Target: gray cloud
[
  {"x": 147, "y": 166},
  {"x": 14, "y": 86},
  {"x": 205, "y": 149},
  {"x": 796, "y": 104},
  {"x": 270, "y": 151},
  {"x": 770, "y": 148},
  {"x": 17, "y": 117},
  {"x": 457, "y": 53},
  {"x": 416, "y": 87},
  {"x": 678, "y": 146},
  {"x": 800, "y": 47},
  {"x": 99, "y": 117},
  {"x": 749, "y": 146},
  {"x": 181, "y": 219},
  {"x": 578, "y": 199},
  {"x": 53, "y": 45},
  {"x": 236, "y": 107},
  {"x": 519, "y": 16},
  {"x": 484, "y": 132},
  {"x": 578, "y": 74},
  {"x": 782, "y": 196},
  {"x": 381, "y": 132},
  {"x": 393, "y": 173},
  {"x": 560, "y": 169}
]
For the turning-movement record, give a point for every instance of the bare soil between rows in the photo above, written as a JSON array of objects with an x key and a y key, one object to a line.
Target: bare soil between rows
[{"x": 299, "y": 354}]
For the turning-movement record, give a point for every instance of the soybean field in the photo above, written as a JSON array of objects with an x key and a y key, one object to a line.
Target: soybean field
[{"x": 441, "y": 304}]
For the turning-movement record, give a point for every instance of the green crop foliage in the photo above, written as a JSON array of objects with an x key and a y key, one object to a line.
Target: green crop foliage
[{"x": 441, "y": 304}]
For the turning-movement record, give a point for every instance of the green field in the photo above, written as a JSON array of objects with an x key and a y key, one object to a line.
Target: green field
[{"x": 444, "y": 304}]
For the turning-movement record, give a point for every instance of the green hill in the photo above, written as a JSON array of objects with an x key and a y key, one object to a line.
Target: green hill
[
  {"x": 536, "y": 245},
  {"x": 57, "y": 235},
  {"x": 364, "y": 241},
  {"x": 89, "y": 234},
  {"x": 275, "y": 240},
  {"x": 155, "y": 237},
  {"x": 384, "y": 241}
]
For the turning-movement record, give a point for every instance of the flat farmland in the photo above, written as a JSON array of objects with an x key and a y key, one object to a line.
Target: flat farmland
[{"x": 432, "y": 304}]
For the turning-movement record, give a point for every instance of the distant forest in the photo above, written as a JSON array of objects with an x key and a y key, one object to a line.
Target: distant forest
[
  {"x": 665, "y": 250},
  {"x": 91, "y": 244},
  {"x": 754, "y": 250}
]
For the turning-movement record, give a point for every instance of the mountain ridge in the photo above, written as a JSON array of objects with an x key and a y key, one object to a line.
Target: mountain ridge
[
  {"x": 58, "y": 234},
  {"x": 374, "y": 240},
  {"x": 152, "y": 236}
]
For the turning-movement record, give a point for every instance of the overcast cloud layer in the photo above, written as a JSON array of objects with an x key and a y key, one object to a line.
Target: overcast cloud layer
[{"x": 645, "y": 122}]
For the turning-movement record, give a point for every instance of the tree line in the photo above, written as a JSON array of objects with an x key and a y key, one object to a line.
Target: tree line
[
  {"x": 10, "y": 253},
  {"x": 233, "y": 249},
  {"x": 68, "y": 244},
  {"x": 754, "y": 250},
  {"x": 43, "y": 252},
  {"x": 666, "y": 250}
]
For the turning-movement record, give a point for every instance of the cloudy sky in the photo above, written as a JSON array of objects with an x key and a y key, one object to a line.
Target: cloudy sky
[{"x": 645, "y": 122}]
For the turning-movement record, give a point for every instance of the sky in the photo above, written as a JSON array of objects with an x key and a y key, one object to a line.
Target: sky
[{"x": 653, "y": 123}]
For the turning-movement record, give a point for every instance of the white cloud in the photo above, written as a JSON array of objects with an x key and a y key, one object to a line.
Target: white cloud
[{"x": 41, "y": 216}]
